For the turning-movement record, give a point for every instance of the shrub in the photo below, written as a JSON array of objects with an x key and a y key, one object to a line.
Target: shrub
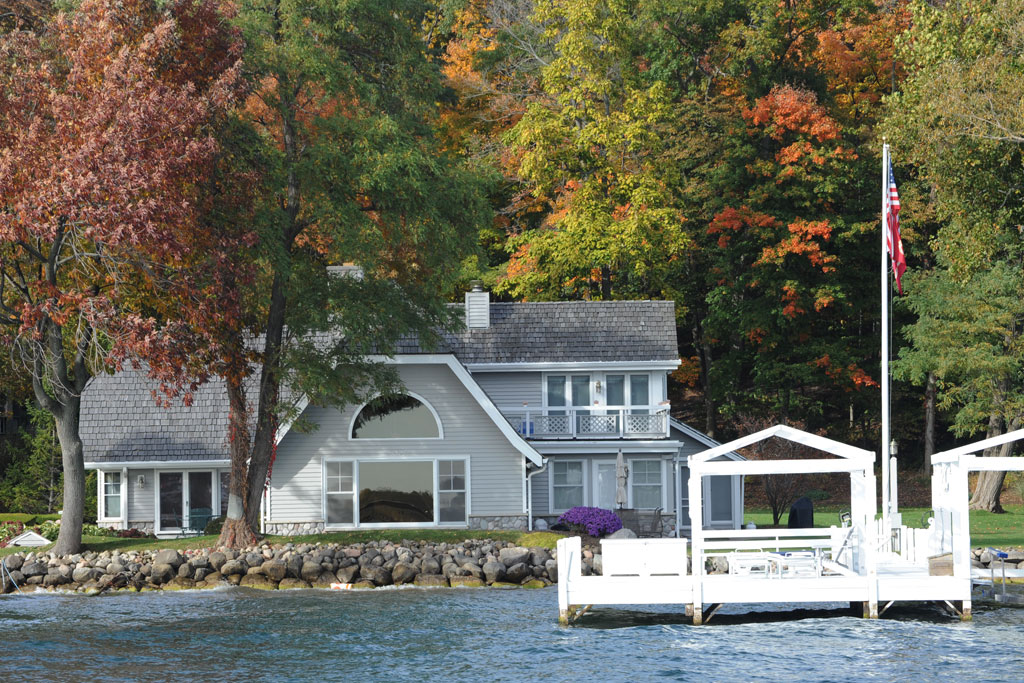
[
  {"x": 817, "y": 495},
  {"x": 593, "y": 521},
  {"x": 214, "y": 526},
  {"x": 9, "y": 530},
  {"x": 49, "y": 529}
]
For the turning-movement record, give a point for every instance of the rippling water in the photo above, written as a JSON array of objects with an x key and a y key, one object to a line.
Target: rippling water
[{"x": 464, "y": 635}]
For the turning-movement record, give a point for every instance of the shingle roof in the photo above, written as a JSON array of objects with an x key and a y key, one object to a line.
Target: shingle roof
[
  {"x": 121, "y": 422},
  {"x": 570, "y": 331}
]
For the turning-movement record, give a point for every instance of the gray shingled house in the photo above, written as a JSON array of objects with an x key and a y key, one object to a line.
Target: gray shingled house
[{"x": 518, "y": 417}]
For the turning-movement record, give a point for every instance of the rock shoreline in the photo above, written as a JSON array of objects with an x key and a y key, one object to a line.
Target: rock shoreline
[{"x": 472, "y": 563}]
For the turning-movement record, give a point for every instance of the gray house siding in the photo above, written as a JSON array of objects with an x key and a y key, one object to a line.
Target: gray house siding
[
  {"x": 511, "y": 389},
  {"x": 495, "y": 467}
]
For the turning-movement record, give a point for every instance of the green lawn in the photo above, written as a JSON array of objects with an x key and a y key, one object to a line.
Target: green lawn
[
  {"x": 101, "y": 543},
  {"x": 987, "y": 529}
]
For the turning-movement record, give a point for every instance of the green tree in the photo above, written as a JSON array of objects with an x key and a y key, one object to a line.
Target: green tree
[
  {"x": 341, "y": 120},
  {"x": 32, "y": 482},
  {"x": 959, "y": 120}
]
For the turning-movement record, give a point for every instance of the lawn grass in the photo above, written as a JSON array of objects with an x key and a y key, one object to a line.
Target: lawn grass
[
  {"x": 987, "y": 529},
  {"x": 26, "y": 519}
]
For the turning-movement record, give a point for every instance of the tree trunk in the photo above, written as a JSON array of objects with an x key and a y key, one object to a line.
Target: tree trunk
[
  {"x": 704, "y": 353},
  {"x": 237, "y": 532},
  {"x": 990, "y": 484},
  {"x": 929, "y": 423},
  {"x": 69, "y": 540}
]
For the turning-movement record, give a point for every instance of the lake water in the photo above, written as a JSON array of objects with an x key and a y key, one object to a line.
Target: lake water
[{"x": 467, "y": 635}]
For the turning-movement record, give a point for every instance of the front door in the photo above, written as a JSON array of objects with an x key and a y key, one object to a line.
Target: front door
[
  {"x": 171, "y": 497},
  {"x": 604, "y": 485}
]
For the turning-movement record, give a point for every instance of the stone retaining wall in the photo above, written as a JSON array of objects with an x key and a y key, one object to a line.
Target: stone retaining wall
[{"x": 473, "y": 563}]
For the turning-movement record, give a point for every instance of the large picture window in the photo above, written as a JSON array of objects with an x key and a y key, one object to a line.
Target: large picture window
[
  {"x": 396, "y": 417},
  {"x": 395, "y": 492}
]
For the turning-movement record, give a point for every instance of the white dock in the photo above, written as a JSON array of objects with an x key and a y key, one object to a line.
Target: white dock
[{"x": 870, "y": 562}]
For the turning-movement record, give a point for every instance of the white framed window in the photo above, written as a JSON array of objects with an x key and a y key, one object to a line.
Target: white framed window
[
  {"x": 402, "y": 416},
  {"x": 340, "y": 492},
  {"x": 111, "y": 495},
  {"x": 645, "y": 478},
  {"x": 451, "y": 491},
  {"x": 585, "y": 391},
  {"x": 567, "y": 490},
  {"x": 412, "y": 492}
]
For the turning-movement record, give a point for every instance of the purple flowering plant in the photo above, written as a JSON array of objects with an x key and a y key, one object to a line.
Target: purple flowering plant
[{"x": 593, "y": 521}]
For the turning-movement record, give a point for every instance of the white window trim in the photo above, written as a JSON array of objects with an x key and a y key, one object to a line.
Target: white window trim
[
  {"x": 185, "y": 509},
  {"x": 437, "y": 419},
  {"x": 587, "y": 495},
  {"x": 357, "y": 524},
  {"x": 101, "y": 518},
  {"x": 632, "y": 482},
  {"x": 599, "y": 399}
]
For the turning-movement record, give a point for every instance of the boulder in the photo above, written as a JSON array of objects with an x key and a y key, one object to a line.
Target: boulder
[
  {"x": 217, "y": 560},
  {"x": 623, "y": 533},
  {"x": 257, "y": 581},
  {"x": 538, "y": 556},
  {"x": 310, "y": 571},
  {"x": 472, "y": 569},
  {"x": 494, "y": 571},
  {"x": 403, "y": 573},
  {"x": 83, "y": 574},
  {"x": 275, "y": 570},
  {"x": 288, "y": 583},
  {"x": 201, "y": 574},
  {"x": 377, "y": 575},
  {"x": 186, "y": 570},
  {"x": 534, "y": 583},
  {"x": 233, "y": 568},
  {"x": 30, "y": 569},
  {"x": 213, "y": 578},
  {"x": 171, "y": 557},
  {"x": 517, "y": 572},
  {"x": 179, "y": 583},
  {"x": 114, "y": 568},
  {"x": 162, "y": 572},
  {"x": 363, "y": 584},
  {"x": 513, "y": 556},
  {"x": 10, "y": 579},
  {"x": 200, "y": 562},
  {"x": 14, "y": 562},
  {"x": 430, "y": 581},
  {"x": 430, "y": 565},
  {"x": 325, "y": 579},
  {"x": 368, "y": 556},
  {"x": 347, "y": 574},
  {"x": 466, "y": 582},
  {"x": 294, "y": 563}
]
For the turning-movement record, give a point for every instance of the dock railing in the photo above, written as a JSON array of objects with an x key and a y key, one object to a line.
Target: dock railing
[{"x": 834, "y": 545}]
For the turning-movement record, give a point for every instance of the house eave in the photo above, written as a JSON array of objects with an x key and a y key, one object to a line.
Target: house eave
[
  {"x": 666, "y": 365},
  {"x": 156, "y": 464}
]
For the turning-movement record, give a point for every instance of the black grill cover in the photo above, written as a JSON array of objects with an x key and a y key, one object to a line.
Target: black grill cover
[{"x": 801, "y": 514}]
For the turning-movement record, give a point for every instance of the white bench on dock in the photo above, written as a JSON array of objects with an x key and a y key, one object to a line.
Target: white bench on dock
[{"x": 643, "y": 557}]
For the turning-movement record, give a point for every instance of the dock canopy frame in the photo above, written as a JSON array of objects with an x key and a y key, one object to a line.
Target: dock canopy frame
[{"x": 950, "y": 495}]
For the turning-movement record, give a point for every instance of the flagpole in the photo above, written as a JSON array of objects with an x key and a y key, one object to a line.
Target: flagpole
[{"x": 885, "y": 343}]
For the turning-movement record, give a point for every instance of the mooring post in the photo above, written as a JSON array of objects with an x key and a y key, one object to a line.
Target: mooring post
[{"x": 698, "y": 614}]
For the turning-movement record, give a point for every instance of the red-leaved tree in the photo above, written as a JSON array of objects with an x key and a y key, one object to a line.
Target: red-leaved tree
[{"x": 105, "y": 142}]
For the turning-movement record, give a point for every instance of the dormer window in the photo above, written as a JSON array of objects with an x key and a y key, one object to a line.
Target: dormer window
[{"x": 399, "y": 416}]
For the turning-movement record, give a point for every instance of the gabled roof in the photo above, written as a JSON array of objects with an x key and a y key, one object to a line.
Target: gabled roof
[
  {"x": 565, "y": 332},
  {"x": 790, "y": 434},
  {"x": 701, "y": 437}
]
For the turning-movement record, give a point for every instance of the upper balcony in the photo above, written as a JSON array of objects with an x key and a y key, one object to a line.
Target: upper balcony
[{"x": 611, "y": 422}]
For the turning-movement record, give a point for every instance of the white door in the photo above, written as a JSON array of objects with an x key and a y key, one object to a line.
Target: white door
[{"x": 604, "y": 484}]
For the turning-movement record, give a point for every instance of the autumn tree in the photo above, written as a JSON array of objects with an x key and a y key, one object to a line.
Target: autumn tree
[
  {"x": 341, "y": 116},
  {"x": 102, "y": 144}
]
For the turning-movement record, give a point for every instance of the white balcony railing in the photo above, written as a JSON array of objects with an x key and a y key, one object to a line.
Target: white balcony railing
[{"x": 633, "y": 422}]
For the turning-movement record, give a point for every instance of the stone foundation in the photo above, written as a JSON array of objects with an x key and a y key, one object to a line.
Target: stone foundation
[
  {"x": 510, "y": 522},
  {"x": 144, "y": 527},
  {"x": 294, "y": 528}
]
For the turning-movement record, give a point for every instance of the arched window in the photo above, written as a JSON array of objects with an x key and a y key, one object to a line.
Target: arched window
[{"x": 400, "y": 416}]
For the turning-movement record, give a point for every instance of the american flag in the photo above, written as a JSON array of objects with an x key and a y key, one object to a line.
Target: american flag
[{"x": 893, "y": 243}]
